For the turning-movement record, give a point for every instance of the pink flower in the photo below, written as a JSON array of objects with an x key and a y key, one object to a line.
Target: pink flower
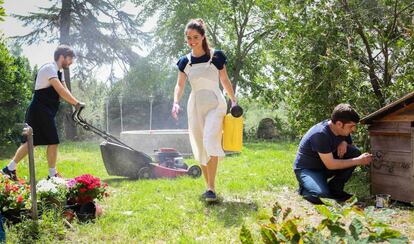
[{"x": 71, "y": 183}]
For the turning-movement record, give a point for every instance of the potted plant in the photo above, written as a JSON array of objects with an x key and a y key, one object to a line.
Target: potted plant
[
  {"x": 14, "y": 198},
  {"x": 52, "y": 192},
  {"x": 83, "y": 191}
]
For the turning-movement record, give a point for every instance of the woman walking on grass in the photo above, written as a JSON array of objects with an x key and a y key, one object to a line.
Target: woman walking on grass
[{"x": 205, "y": 68}]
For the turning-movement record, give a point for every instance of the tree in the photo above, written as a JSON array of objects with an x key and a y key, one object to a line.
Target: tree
[
  {"x": 340, "y": 51},
  {"x": 237, "y": 27},
  {"x": 385, "y": 36},
  {"x": 15, "y": 90},
  {"x": 2, "y": 11},
  {"x": 99, "y": 31}
]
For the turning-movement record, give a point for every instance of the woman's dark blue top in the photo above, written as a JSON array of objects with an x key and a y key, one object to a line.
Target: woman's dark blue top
[{"x": 219, "y": 60}]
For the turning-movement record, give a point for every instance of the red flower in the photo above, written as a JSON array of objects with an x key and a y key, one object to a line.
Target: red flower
[
  {"x": 15, "y": 188},
  {"x": 7, "y": 188},
  {"x": 86, "y": 188},
  {"x": 20, "y": 199}
]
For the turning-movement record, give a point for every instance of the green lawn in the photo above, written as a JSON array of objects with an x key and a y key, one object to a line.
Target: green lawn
[{"x": 161, "y": 210}]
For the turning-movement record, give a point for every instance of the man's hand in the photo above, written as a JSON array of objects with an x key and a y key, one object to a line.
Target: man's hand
[
  {"x": 341, "y": 150},
  {"x": 79, "y": 105},
  {"x": 365, "y": 159}
]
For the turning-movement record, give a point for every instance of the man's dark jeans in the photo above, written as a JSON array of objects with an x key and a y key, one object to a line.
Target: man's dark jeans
[{"x": 317, "y": 183}]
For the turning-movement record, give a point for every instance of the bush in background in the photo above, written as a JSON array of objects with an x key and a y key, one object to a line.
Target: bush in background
[{"x": 15, "y": 92}]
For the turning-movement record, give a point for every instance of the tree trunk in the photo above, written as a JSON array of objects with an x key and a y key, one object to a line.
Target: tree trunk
[
  {"x": 65, "y": 21},
  {"x": 375, "y": 81}
]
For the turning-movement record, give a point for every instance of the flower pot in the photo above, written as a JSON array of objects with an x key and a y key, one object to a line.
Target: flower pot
[
  {"x": 52, "y": 203},
  {"x": 80, "y": 199},
  {"x": 15, "y": 216},
  {"x": 99, "y": 210},
  {"x": 87, "y": 211},
  {"x": 69, "y": 215}
]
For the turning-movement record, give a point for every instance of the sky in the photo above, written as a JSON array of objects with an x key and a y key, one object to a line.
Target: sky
[{"x": 43, "y": 52}]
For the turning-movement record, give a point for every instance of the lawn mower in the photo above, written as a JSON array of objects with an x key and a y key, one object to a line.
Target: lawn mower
[{"x": 122, "y": 160}]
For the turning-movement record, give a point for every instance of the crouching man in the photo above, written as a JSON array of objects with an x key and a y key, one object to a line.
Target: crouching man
[{"x": 326, "y": 157}]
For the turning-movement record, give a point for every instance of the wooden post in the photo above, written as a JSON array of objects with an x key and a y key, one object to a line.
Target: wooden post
[{"x": 28, "y": 132}]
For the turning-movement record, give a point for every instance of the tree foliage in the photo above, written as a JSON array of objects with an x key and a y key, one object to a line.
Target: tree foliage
[
  {"x": 307, "y": 55},
  {"x": 100, "y": 31},
  {"x": 2, "y": 11},
  {"x": 238, "y": 27},
  {"x": 15, "y": 90},
  {"x": 357, "y": 52}
]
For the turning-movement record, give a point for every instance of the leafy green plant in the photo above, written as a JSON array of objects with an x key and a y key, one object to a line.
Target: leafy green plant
[
  {"x": 334, "y": 228},
  {"x": 48, "y": 229}
]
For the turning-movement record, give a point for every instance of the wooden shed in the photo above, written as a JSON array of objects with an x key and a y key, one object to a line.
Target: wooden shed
[{"x": 391, "y": 131}]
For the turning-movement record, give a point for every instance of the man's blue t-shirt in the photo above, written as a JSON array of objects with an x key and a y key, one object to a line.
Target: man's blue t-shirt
[{"x": 318, "y": 139}]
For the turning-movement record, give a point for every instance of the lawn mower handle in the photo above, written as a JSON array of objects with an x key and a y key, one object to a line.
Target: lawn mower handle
[{"x": 76, "y": 116}]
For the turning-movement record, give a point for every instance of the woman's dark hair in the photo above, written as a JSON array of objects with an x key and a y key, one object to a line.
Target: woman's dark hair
[
  {"x": 200, "y": 27},
  {"x": 345, "y": 113},
  {"x": 64, "y": 50}
]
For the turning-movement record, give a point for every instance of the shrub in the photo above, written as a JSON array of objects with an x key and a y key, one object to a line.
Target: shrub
[
  {"x": 334, "y": 228},
  {"x": 15, "y": 91}
]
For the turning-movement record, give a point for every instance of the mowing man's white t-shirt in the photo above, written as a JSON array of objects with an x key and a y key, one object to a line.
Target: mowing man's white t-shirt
[{"x": 45, "y": 73}]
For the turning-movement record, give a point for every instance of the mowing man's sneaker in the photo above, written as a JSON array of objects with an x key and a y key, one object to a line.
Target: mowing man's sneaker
[
  {"x": 10, "y": 173},
  {"x": 210, "y": 196},
  {"x": 56, "y": 175}
]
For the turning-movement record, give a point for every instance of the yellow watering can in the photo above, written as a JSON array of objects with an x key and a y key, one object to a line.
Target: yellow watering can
[{"x": 233, "y": 130}]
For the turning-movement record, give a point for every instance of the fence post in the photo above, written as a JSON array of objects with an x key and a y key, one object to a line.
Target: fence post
[{"x": 28, "y": 132}]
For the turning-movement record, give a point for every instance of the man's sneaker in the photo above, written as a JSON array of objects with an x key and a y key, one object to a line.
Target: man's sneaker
[
  {"x": 56, "y": 175},
  {"x": 342, "y": 197},
  {"x": 210, "y": 196},
  {"x": 204, "y": 195},
  {"x": 10, "y": 173},
  {"x": 313, "y": 200}
]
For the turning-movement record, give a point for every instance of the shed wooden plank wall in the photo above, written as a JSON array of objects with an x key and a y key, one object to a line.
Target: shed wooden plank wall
[{"x": 392, "y": 144}]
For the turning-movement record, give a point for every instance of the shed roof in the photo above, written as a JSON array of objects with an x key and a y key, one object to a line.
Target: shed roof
[{"x": 388, "y": 109}]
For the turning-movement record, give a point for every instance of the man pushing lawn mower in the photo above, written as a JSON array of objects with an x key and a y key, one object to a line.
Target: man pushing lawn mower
[{"x": 49, "y": 86}]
